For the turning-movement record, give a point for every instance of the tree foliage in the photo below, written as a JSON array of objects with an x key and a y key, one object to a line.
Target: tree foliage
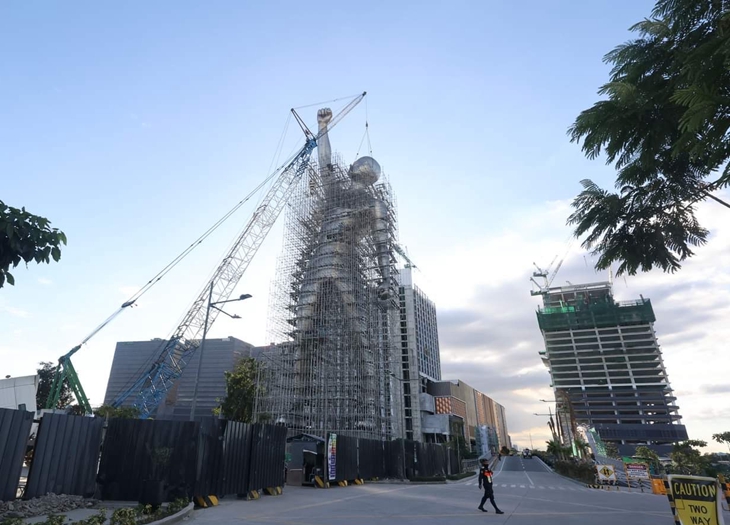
[
  {"x": 25, "y": 237},
  {"x": 612, "y": 450},
  {"x": 556, "y": 448},
  {"x": 651, "y": 457},
  {"x": 46, "y": 373},
  {"x": 107, "y": 411},
  {"x": 686, "y": 459},
  {"x": 722, "y": 437},
  {"x": 664, "y": 126},
  {"x": 241, "y": 389}
]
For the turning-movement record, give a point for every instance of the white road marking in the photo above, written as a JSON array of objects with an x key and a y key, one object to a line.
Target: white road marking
[
  {"x": 529, "y": 479},
  {"x": 522, "y": 486},
  {"x": 513, "y": 486}
]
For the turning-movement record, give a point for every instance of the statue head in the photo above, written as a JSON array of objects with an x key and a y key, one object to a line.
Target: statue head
[{"x": 365, "y": 170}]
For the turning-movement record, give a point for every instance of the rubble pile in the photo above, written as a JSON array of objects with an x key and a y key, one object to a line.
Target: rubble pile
[{"x": 48, "y": 504}]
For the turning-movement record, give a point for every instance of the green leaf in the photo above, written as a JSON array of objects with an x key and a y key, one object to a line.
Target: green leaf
[
  {"x": 10, "y": 278},
  {"x": 56, "y": 253}
]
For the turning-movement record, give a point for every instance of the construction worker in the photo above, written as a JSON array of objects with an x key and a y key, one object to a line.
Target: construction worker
[{"x": 485, "y": 478}]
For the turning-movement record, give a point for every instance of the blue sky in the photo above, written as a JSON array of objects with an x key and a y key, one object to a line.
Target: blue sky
[{"x": 134, "y": 126}]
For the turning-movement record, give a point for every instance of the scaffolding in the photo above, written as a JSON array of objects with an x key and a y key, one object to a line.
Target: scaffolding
[{"x": 332, "y": 366}]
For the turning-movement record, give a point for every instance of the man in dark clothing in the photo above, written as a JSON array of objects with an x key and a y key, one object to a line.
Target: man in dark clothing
[{"x": 485, "y": 478}]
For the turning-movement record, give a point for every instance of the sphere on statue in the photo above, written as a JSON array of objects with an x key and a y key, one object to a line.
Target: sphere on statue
[{"x": 365, "y": 170}]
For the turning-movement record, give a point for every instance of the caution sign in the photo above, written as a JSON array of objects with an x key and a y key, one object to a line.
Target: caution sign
[
  {"x": 637, "y": 470},
  {"x": 606, "y": 473},
  {"x": 694, "y": 500}
]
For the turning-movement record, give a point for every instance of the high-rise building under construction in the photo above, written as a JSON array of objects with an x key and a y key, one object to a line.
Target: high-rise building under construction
[
  {"x": 607, "y": 368},
  {"x": 333, "y": 366}
]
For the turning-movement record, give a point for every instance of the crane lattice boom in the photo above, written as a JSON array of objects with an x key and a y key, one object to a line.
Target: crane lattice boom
[{"x": 153, "y": 386}]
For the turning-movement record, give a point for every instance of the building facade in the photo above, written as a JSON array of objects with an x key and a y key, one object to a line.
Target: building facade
[
  {"x": 419, "y": 352},
  {"x": 607, "y": 369},
  {"x": 134, "y": 357},
  {"x": 461, "y": 410}
]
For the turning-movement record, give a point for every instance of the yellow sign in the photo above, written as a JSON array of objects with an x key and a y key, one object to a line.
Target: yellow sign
[
  {"x": 695, "y": 500},
  {"x": 606, "y": 472}
]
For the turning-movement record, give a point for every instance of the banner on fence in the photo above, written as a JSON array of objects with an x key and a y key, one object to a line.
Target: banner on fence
[
  {"x": 695, "y": 500},
  {"x": 332, "y": 456}
]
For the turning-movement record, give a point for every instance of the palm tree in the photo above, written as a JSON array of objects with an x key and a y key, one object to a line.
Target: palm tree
[
  {"x": 664, "y": 132},
  {"x": 555, "y": 448}
]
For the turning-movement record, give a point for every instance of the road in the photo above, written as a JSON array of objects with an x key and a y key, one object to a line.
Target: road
[{"x": 526, "y": 490}]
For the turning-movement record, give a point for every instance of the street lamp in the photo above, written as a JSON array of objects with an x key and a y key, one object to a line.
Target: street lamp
[
  {"x": 202, "y": 342},
  {"x": 403, "y": 439}
]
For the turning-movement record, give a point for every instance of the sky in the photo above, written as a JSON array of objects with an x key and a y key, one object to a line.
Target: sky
[{"x": 133, "y": 127}]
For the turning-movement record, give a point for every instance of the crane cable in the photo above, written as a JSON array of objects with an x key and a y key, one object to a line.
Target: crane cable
[
  {"x": 366, "y": 134},
  {"x": 182, "y": 255}
]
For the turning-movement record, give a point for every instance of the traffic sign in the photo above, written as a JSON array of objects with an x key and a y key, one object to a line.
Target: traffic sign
[
  {"x": 695, "y": 500},
  {"x": 606, "y": 472},
  {"x": 637, "y": 470}
]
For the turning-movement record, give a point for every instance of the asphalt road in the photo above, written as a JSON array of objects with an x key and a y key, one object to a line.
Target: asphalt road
[{"x": 527, "y": 491}]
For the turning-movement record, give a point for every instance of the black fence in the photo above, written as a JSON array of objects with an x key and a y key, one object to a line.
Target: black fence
[
  {"x": 368, "y": 459},
  {"x": 224, "y": 456},
  {"x": 137, "y": 451},
  {"x": 186, "y": 459},
  {"x": 14, "y": 432},
  {"x": 74, "y": 456},
  {"x": 65, "y": 457},
  {"x": 268, "y": 447}
]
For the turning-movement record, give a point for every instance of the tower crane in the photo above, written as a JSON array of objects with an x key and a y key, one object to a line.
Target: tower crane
[
  {"x": 152, "y": 387},
  {"x": 402, "y": 253},
  {"x": 547, "y": 275}
]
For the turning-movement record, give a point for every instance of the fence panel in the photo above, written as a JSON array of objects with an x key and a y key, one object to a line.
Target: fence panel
[
  {"x": 268, "y": 451},
  {"x": 394, "y": 457},
  {"x": 346, "y": 458},
  {"x": 66, "y": 456},
  {"x": 224, "y": 454},
  {"x": 454, "y": 462},
  {"x": 14, "y": 432},
  {"x": 370, "y": 459},
  {"x": 237, "y": 450},
  {"x": 210, "y": 458},
  {"x": 136, "y": 451}
]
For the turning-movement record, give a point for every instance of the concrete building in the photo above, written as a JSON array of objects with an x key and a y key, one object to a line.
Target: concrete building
[
  {"x": 17, "y": 392},
  {"x": 607, "y": 368},
  {"x": 419, "y": 351},
  {"x": 459, "y": 409},
  {"x": 131, "y": 359}
]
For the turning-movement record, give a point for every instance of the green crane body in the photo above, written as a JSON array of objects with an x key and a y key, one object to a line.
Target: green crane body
[{"x": 65, "y": 372}]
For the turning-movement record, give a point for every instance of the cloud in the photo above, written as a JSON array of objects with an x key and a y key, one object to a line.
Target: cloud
[
  {"x": 490, "y": 339},
  {"x": 17, "y": 312},
  {"x": 716, "y": 389},
  {"x": 44, "y": 281}
]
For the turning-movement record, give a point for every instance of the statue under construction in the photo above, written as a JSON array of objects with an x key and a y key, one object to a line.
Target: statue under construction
[{"x": 333, "y": 367}]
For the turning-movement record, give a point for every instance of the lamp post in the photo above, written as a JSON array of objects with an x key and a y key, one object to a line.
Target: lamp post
[{"x": 202, "y": 342}]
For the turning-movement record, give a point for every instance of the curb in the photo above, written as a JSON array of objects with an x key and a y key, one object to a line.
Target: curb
[{"x": 176, "y": 517}]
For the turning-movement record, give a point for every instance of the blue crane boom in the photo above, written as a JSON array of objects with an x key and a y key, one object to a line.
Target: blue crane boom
[{"x": 152, "y": 387}]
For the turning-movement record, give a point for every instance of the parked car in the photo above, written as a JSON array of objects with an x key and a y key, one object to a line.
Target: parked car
[{"x": 527, "y": 453}]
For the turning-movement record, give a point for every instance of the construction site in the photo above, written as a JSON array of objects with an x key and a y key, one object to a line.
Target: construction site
[{"x": 334, "y": 305}]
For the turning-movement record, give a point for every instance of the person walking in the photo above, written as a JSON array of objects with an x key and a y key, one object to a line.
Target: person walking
[{"x": 485, "y": 478}]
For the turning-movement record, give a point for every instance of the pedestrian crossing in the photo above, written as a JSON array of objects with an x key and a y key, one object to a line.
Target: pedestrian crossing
[
  {"x": 532, "y": 487},
  {"x": 555, "y": 488}
]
